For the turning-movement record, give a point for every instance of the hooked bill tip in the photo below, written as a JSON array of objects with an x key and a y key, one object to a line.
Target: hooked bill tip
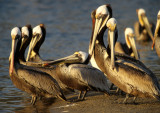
[{"x": 45, "y": 64}]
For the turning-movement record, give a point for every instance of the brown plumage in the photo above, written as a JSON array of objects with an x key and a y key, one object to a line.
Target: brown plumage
[
  {"x": 128, "y": 48},
  {"x": 35, "y": 44},
  {"x": 80, "y": 76},
  {"x": 129, "y": 75},
  {"x": 157, "y": 36},
  {"x": 36, "y": 83},
  {"x": 143, "y": 29}
]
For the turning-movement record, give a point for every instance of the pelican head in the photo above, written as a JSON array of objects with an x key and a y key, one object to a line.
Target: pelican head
[
  {"x": 15, "y": 34},
  {"x": 157, "y": 30},
  {"x": 129, "y": 37},
  {"x": 99, "y": 17},
  {"x": 26, "y": 34},
  {"x": 77, "y": 57},
  {"x": 112, "y": 27},
  {"x": 143, "y": 20},
  {"x": 37, "y": 38}
]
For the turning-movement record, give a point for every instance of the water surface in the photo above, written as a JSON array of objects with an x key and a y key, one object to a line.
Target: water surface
[{"x": 68, "y": 25}]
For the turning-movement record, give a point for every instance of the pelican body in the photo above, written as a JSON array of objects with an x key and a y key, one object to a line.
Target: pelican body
[
  {"x": 157, "y": 36},
  {"x": 143, "y": 29},
  {"x": 36, "y": 83},
  {"x": 74, "y": 72},
  {"x": 128, "y": 48},
  {"x": 130, "y": 75}
]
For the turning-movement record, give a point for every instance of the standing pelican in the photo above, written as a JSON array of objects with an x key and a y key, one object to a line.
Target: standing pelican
[
  {"x": 36, "y": 83},
  {"x": 157, "y": 36},
  {"x": 74, "y": 72},
  {"x": 129, "y": 47},
  {"x": 39, "y": 33},
  {"x": 26, "y": 38},
  {"x": 143, "y": 30},
  {"x": 130, "y": 77},
  {"x": 100, "y": 15}
]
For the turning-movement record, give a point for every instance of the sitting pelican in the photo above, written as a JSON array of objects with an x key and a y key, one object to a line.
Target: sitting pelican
[
  {"x": 143, "y": 30},
  {"x": 157, "y": 36},
  {"x": 36, "y": 83},
  {"x": 129, "y": 47},
  {"x": 76, "y": 74},
  {"x": 131, "y": 76}
]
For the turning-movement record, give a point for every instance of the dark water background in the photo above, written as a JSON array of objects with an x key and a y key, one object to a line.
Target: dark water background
[{"x": 68, "y": 25}]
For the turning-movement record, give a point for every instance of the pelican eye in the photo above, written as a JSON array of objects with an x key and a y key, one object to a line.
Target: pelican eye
[
  {"x": 98, "y": 16},
  {"x": 17, "y": 37},
  {"x": 77, "y": 54},
  {"x": 143, "y": 14},
  {"x": 24, "y": 35}
]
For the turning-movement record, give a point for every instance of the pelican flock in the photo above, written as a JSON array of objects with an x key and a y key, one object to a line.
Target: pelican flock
[{"x": 116, "y": 62}]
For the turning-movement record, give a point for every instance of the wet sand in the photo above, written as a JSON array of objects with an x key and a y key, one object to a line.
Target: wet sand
[
  {"x": 100, "y": 103},
  {"x": 94, "y": 102}
]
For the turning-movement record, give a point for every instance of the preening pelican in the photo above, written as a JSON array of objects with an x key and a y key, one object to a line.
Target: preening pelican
[
  {"x": 36, "y": 83},
  {"x": 129, "y": 47},
  {"x": 157, "y": 36},
  {"x": 143, "y": 29},
  {"x": 76, "y": 74},
  {"x": 132, "y": 78}
]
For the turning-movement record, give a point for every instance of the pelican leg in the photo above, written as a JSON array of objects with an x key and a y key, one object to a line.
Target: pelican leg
[
  {"x": 85, "y": 92},
  {"x": 79, "y": 96},
  {"x": 111, "y": 87},
  {"x": 117, "y": 90},
  {"x": 125, "y": 100},
  {"x": 33, "y": 100},
  {"x": 134, "y": 99}
]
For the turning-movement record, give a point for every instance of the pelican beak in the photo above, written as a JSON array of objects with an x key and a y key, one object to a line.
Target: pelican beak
[
  {"x": 112, "y": 44},
  {"x": 99, "y": 24},
  {"x": 133, "y": 45},
  {"x": 147, "y": 25},
  {"x": 156, "y": 31},
  {"x": 23, "y": 39},
  {"x": 14, "y": 44},
  {"x": 32, "y": 44},
  {"x": 12, "y": 57},
  {"x": 69, "y": 59}
]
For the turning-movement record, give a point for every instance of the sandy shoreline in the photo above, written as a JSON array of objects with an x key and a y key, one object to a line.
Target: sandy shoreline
[
  {"x": 100, "y": 103},
  {"x": 95, "y": 102}
]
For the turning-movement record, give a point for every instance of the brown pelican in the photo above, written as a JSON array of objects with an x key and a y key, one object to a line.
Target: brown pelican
[
  {"x": 157, "y": 36},
  {"x": 26, "y": 38},
  {"x": 101, "y": 14},
  {"x": 130, "y": 77},
  {"x": 39, "y": 33},
  {"x": 143, "y": 30},
  {"x": 36, "y": 83},
  {"x": 129, "y": 47},
  {"x": 74, "y": 72}
]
